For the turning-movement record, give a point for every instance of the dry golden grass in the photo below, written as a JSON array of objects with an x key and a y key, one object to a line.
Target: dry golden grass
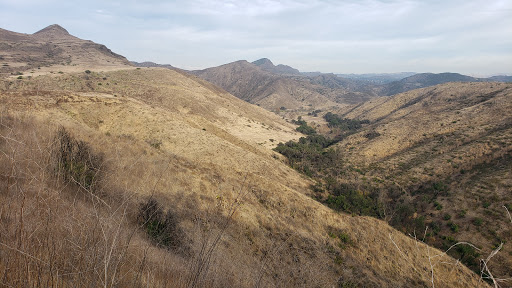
[
  {"x": 148, "y": 124},
  {"x": 456, "y": 133}
]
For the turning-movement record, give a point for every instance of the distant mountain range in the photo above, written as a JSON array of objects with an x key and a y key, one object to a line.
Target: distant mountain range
[
  {"x": 378, "y": 78},
  {"x": 423, "y": 80},
  {"x": 151, "y": 64},
  {"x": 283, "y": 87},
  {"x": 274, "y": 87}
]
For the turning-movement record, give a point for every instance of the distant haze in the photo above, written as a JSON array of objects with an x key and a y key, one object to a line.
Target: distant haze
[{"x": 472, "y": 37}]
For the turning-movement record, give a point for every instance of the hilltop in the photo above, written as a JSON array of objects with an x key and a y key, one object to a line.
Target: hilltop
[
  {"x": 266, "y": 65},
  {"x": 53, "y": 50}
]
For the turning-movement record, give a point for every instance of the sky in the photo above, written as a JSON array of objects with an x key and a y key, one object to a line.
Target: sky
[{"x": 472, "y": 37}]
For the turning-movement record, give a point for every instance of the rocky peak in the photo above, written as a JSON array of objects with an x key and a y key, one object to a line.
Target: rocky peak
[{"x": 52, "y": 32}]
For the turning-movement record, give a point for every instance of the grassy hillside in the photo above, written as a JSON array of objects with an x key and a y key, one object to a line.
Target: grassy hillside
[
  {"x": 74, "y": 200},
  {"x": 433, "y": 162}
]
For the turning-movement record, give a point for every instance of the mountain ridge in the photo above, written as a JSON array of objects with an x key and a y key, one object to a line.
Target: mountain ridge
[
  {"x": 276, "y": 91},
  {"x": 267, "y": 65},
  {"x": 53, "y": 49}
]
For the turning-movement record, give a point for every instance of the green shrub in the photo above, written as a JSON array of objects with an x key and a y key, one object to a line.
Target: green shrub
[
  {"x": 469, "y": 256},
  {"x": 344, "y": 124},
  {"x": 304, "y": 128},
  {"x": 75, "y": 161},
  {"x": 454, "y": 227},
  {"x": 346, "y": 284},
  {"x": 352, "y": 201},
  {"x": 162, "y": 228}
]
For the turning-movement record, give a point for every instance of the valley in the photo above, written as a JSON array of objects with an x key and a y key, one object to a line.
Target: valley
[{"x": 118, "y": 173}]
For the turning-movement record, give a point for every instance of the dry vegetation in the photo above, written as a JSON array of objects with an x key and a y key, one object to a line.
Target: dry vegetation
[
  {"x": 244, "y": 216},
  {"x": 445, "y": 152},
  {"x": 53, "y": 50}
]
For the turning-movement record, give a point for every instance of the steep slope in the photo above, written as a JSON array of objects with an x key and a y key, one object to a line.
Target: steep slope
[
  {"x": 445, "y": 152},
  {"x": 33, "y": 54},
  {"x": 193, "y": 146}
]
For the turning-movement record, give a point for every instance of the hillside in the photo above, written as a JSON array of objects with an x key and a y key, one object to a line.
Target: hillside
[
  {"x": 448, "y": 149},
  {"x": 156, "y": 178},
  {"x": 209, "y": 155},
  {"x": 53, "y": 50}
]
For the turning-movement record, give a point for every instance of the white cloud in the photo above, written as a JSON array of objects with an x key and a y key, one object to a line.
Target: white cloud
[{"x": 326, "y": 35}]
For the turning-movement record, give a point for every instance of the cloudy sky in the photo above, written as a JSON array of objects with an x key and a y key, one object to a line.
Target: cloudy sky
[{"x": 346, "y": 36}]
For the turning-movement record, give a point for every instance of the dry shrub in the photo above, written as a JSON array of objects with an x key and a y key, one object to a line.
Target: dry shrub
[
  {"x": 61, "y": 226},
  {"x": 75, "y": 161},
  {"x": 52, "y": 236}
]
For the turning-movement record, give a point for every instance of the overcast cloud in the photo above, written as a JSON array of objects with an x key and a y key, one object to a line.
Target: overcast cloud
[{"x": 470, "y": 37}]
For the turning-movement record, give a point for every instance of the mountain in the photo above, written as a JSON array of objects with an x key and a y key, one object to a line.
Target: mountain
[
  {"x": 53, "y": 32},
  {"x": 378, "y": 78},
  {"x": 151, "y": 64},
  {"x": 271, "y": 91},
  {"x": 260, "y": 84},
  {"x": 422, "y": 80},
  {"x": 267, "y": 65},
  {"x": 500, "y": 78},
  {"x": 32, "y": 54},
  {"x": 155, "y": 177}
]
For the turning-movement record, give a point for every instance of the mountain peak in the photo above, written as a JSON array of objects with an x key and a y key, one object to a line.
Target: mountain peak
[
  {"x": 267, "y": 65},
  {"x": 263, "y": 62},
  {"x": 53, "y": 31}
]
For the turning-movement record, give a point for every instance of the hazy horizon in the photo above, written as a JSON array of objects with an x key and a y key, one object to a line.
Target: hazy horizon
[{"x": 360, "y": 37}]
